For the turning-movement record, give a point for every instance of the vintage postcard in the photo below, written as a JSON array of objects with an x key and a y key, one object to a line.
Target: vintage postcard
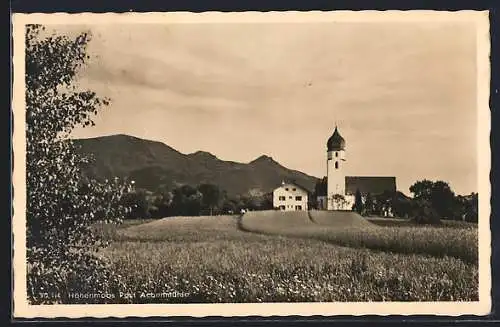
[{"x": 251, "y": 164}]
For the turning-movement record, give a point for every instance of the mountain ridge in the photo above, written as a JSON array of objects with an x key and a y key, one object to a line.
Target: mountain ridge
[{"x": 153, "y": 165}]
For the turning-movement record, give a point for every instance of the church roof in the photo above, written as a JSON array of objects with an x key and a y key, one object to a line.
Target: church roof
[
  {"x": 369, "y": 184},
  {"x": 336, "y": 142}
]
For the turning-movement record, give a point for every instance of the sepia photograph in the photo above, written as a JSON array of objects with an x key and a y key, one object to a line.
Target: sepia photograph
[{"x": 251, "y": 163}]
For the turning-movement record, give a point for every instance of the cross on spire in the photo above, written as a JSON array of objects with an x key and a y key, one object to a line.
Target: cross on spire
[{"x": 336, "y": 123}]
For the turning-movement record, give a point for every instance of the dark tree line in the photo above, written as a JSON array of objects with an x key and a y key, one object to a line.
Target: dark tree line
[
  {"x": 431, "y": 202},
  {"x": 435, "y": 200},
  {"x": 186, "y": 200}
]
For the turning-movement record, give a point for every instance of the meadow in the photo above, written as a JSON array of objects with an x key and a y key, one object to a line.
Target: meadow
[
  {"x": 293, "y": 257},
  {"x": 351, "y": 230}
]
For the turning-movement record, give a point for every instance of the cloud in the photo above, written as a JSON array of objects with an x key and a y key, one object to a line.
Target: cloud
[{"x": 403, "y": 90}]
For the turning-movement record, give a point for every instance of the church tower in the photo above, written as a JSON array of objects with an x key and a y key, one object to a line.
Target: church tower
[{"x": 335, "y": 170}]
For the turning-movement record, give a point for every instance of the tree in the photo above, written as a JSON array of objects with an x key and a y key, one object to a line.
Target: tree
[
  {"x": 162, "y": 202},
  {"x": 141, "y": 203},
  {"x": 439, "y": 196},
  {"x": 241, "y": 202},
  {"x": 382, "y": 201},
  {"x": 401, "y": 205},
  {"x": 321, "y": 186},
  {"x": 422, "y": 189},
  {"x": 62, "y": 204},
  {"x": 320, "y": 189},
  {"x": 358, "y": 202},
  {"x": 211, "y": 197},
  {"x": 230, "y": 206},
  {"x": 471, "y": 208},
  {"x": 466, "y": 207},
  {"x": 443, "y": 199},
  {"x": 369, "y": 204},
  {"x": 267, "y": 201},
  {"x": 424, "y": 213},
  {"x": 186, "y": 201},
  {"x": 255, "y": 200},
  {"x": 339, "y": 201}
]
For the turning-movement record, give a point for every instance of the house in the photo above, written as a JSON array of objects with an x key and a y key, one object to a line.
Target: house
[
  {"x": 290, "y": 197},
  {"x": 337, "y": 191}
]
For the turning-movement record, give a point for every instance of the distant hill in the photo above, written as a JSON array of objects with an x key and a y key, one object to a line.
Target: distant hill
[{"x": 154, "y": 164}]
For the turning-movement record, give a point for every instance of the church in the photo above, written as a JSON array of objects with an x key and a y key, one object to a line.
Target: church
[
  {"x": 340, "y": 190},
  {"x": 336, "y": 191}
]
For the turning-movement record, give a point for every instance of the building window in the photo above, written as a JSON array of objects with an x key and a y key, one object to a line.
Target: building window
[
  {"x": 298, "y": 198},
  {"x": 290, "y": 197},
  {"x": 294, "y": 189},
  {"x": 336, "y": 154},
  {"x": 298, "y": 207},
  {"x": 336, "y": 165},
  {"x": 286, "y": 189},
  {"x": 282, "y": 198}
]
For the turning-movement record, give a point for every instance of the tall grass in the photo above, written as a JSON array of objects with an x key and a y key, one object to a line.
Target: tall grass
[
  {"x": 109, "y": 231},
  {"x": 210, "y": 259},
  {"x": 274, "y": 269},
  {"x": 353, "y": 232},
  {"x": 339, "y": 219},
  {"x": 186, "y": 229},
  {"x": 401, "y": 222}
]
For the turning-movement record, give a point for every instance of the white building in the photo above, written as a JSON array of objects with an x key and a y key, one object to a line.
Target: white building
[
  {"x": 336, "y": 198},
  {"x": 290, "y": 197},
  {"x": 341, "y": 189}
]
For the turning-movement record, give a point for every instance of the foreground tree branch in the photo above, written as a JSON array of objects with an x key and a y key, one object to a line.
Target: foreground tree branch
[{"x": 62, "y": 204}]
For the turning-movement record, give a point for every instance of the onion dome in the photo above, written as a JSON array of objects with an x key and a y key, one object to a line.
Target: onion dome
[{"x": 336, "y": 142}]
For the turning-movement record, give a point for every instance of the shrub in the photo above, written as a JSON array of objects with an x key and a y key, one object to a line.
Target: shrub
[{"x": 424, "y": 213}]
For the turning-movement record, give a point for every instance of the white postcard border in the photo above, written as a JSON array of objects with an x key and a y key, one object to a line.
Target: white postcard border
[{"x": 21, "y": 307}]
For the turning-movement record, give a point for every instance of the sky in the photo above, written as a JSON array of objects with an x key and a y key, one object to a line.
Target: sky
[{"x": 402, "y": 94}]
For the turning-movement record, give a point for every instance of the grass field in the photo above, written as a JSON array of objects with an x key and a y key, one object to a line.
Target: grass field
[
  {"x": 352, "y": 230},
  {"x": 400, "y": 222},
  {"x": 340, "y": 219},
  {"x": 276, "y": 257}
]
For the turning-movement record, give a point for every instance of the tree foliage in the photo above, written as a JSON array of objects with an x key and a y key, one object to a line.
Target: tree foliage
[
  {"x": 422, "y": 189},
  {"x": 400, "y": 204},
  {"x": 211, "y": 197},
  {"x": 142, "y": 203},
  {"x": 321, "y": 186},
  {"x": 438, "y": 193},
  {"x": 186, "y": 201},
  {"x": 339, "y": 201},
  {"x": 358, "y": 202},
  {"x": 369, "y": 205},
  {"x": 468, "y": 207},
  {"x": 438, "y": 199},
  {"x": 424, "y": 213},
  {"x": 320, "y": 190},
  {"x": 62, "y": 204}
]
